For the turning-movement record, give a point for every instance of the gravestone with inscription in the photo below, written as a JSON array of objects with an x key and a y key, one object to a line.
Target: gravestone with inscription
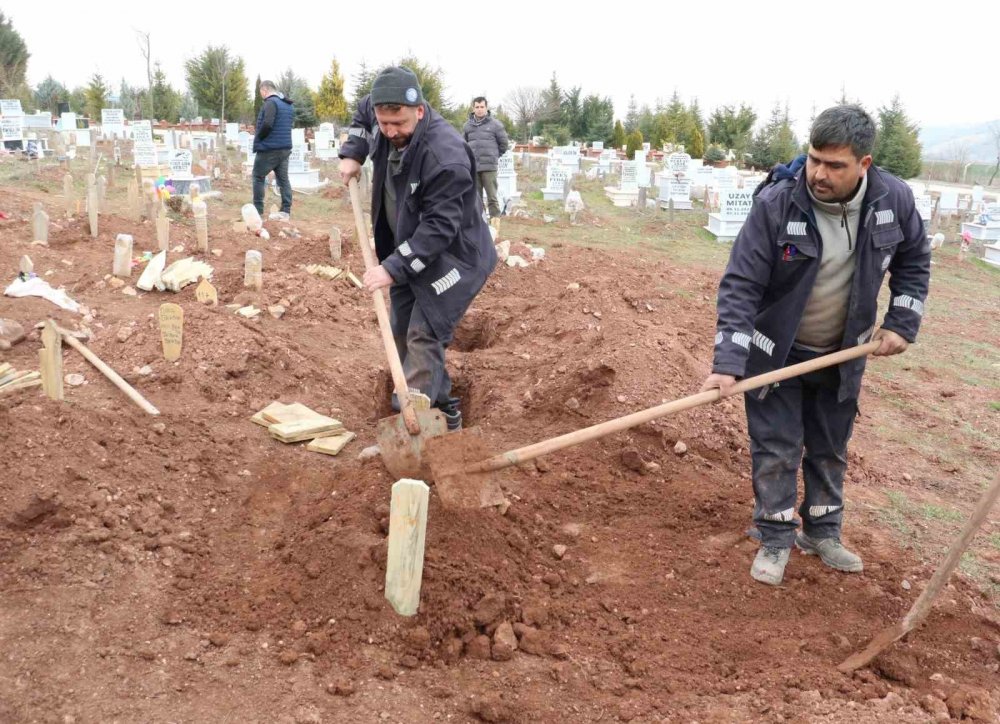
[
  {"x": 507, "y": 192},
  {"x": 555, "y": 181},
  {"x": 734, "y": 207},
  {"x": 627, "y": 192}
]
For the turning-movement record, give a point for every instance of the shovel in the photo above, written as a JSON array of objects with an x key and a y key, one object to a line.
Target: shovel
[
  {"x": 401, "y": 438},
  {"x": 923, "y": 604},
  {"x": 462, "y": 469}
]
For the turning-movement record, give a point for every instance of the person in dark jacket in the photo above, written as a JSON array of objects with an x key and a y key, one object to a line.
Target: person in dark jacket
[
  {"x": 803, "y": 280},
  {"x": 488, "y": 139},
  {"x": 433, "y": 243},
  {"x": 272, "y": 145}
]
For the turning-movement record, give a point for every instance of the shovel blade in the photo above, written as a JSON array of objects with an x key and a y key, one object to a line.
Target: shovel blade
[
  {"x": 448, "y": 457},
  {"x": 403, "y": 453}
]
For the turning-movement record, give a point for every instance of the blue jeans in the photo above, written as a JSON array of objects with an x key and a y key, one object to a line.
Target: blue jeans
[{"x": 263, "y": 163}]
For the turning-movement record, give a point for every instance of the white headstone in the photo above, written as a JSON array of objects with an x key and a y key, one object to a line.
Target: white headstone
[
  {"x": 144, "y": 155},
  {"x": 246, "y": 142},
  {"x": 297, "y": 160},
  {"x": 67, "y": 121},
  {"x": 735, "y": 204},
  {"x": 949, "y": 200},
  {"x": 298, "y": 137},
  {"x": 555, "y": 177},
  {"x": 83, "y": 137},
  {"x": 180, "y": 163},
  {"x": 977, "y": 194},
  {"x": 10, "y": 107},
  {"x": 11, "y": 128},
  {"x": 142, "y": 132},
  {"x": 630, "y": 176},
  {"x": 679, "y": 163},
  {"x": 112, "y": 123},
  {"x": 232, "y": 132},
  {"x": 597, "y": 145},
  {"x": 41, "y": 120}
]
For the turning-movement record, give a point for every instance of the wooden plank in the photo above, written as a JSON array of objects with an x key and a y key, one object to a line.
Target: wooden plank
[
  {"x": 330, "y": 445},
  {"x": 51, "y": 362},
  {"x": 21, "y": 384},
  {"x": 260, "y": 419},
  {"x": 404, "y": 568},
  {"x": 171, "y": 330},
  {"x": 295, "y": 412},
  {"x": 305, "y": 430},
  {"x": 13, "y": 377}
]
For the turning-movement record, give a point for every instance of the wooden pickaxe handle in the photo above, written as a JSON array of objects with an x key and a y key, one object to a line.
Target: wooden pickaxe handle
[
  {"x": 391, "y": 353},
  {"x": 521, "y": 455}
]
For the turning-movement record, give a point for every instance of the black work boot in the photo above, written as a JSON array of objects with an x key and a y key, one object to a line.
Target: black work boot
[{"x": 452, "y": 415}]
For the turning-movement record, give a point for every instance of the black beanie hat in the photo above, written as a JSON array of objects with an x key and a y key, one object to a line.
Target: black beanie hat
[{"x": 396, "y": 86}]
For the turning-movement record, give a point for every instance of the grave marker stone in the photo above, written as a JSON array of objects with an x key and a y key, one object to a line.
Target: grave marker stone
[
  {"x": 40, "y": 225},
  {"x": 253, "y": 270},
  {"x": 68, "y": 194},
  {"x": 122, "y": 266},
  {"x": 112, "y": 123},
  {"x": 200, "y": 210}
]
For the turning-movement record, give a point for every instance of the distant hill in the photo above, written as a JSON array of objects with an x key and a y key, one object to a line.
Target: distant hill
[{"x": 942, "y": 142}]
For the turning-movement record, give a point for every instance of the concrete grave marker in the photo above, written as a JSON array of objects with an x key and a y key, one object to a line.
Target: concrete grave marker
[
  {"x": 200, "y": 210},
  {"x": 68, "y": 194},
  {"x": 40, "y": 225},
  {"x": 25, "y": 266},
  {"x": 206, "y": 293},
  {"x": 180, "y": 163},
  {"x": 171, "y": 330},
  {"x": 123, "y": 256},
  {"x": 253, "y": 270}
]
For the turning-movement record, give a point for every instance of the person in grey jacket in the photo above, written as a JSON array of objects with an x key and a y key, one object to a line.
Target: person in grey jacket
[
  {"x": 803, "y": 280},
  {"x": 433, "y": 243},
  {"x": 488, "y": 139}
]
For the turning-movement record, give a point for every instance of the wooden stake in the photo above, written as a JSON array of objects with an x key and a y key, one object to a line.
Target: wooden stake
[
  {"x": 163, "y": 230},
  {"x": 336, "y": 241},
  {"x": 407, "y": 531},
  {"x": 50, "y": 361}
]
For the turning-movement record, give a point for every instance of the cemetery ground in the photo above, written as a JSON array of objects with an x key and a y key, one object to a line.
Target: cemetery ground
[{"x": 188, "y": 567}]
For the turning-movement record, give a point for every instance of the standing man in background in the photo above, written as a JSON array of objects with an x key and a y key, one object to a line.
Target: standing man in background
[
  {"x": 489, "y": 142},
  {"x": 272, "y": 145}
]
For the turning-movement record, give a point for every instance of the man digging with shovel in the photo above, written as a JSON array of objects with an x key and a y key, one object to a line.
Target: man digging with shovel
[
  {"x": 803, "y": 280},
  {"x": 431, "y": 238}
]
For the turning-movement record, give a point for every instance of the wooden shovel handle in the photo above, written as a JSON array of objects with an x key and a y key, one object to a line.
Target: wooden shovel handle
[
  {"x": 391, "y": 353},
  {"x": 515, "y": 457}
]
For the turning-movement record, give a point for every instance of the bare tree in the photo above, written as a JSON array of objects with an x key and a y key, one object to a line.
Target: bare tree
[
  {"x": 143, "y": 39},
  {"x": 526, "y": 104},
  {"x": 958, "y": 153},
  {"x": 995, "y": 132}
]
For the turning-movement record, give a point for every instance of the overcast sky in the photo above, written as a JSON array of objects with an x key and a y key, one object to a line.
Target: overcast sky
[{"x": 941, "y": 62}]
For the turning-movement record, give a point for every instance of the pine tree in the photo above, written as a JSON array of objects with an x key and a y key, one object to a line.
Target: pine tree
[
  {"x": 13, "y": 58},
  {"x": 331, "y": 105},
  {"x": 618, "y": 137},
  {"x": 258, "y": 102},
  {"x": 897, "y": 147},
  {"x": 95, "y": 96},
  {"x": 633, "y": 143},
  {"x": 632, "y": 116}
]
